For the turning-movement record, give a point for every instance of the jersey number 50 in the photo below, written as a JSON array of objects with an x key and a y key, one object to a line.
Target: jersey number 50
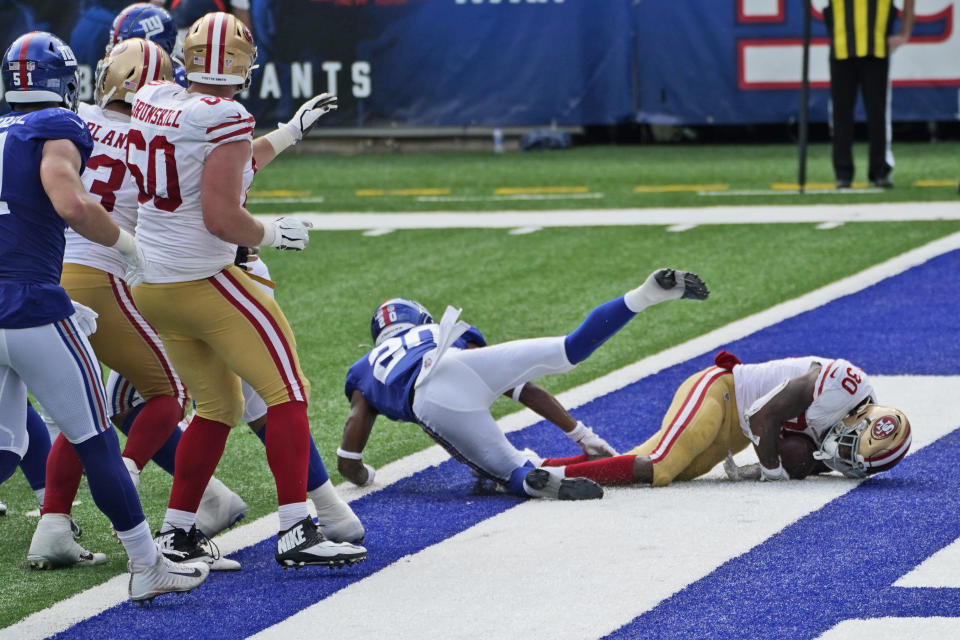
[{"x": 164, "y": 199}]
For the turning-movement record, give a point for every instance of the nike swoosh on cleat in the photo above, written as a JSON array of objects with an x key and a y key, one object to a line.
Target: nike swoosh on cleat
[{"x": 195, "y": 573}]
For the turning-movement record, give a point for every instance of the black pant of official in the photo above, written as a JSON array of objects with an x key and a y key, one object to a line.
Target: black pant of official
[{"x": 870, "y": 76}]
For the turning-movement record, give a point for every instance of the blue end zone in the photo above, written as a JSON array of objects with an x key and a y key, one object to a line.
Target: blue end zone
[{"x": 834, "y": 564}]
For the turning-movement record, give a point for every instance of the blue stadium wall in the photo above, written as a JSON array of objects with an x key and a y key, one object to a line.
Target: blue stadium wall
[{"x": 531, "y": 62}]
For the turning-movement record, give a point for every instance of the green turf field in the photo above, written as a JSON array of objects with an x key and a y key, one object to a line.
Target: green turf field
[
  {"x": 591, "y": 177},
  {"x": 510, "y": 286}
]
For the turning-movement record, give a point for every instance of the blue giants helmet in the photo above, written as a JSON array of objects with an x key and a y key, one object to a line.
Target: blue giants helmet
[
  {"x": 147, "y": 21},
  {"x": 40, "y": 67},
  {"x": 396, "y": 315}
]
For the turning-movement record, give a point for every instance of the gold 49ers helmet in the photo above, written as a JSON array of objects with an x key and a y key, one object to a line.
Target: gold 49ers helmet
[
  {"x": 873, "y": 439},
  {"x": 130, "y": 65},
  {"x": 219, "y": 49}
]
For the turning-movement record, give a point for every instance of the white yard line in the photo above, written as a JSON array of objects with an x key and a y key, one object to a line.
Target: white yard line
[
  {"x": 88, "y": 603},
  {"x": 865, "y": 212}
]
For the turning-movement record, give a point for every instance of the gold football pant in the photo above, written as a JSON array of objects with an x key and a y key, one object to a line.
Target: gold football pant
[
  {"x": 698, "y": 430},
  {"x": 124, "y": 340},
  {"x": 219, "y": 330}
]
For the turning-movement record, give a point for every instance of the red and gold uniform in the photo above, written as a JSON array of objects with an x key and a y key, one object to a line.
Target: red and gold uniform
[{"x": 234, "y": 329}]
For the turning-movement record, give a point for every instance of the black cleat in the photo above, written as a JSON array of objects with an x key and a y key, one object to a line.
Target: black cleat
[
  {"x": 303, "y": 544},
  {"x": 543, "y": 484},
  {"x": 693, "y": 287}
]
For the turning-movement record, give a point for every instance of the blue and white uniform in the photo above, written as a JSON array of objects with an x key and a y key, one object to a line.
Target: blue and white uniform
[
  {"x": 449, "y": 392},
  {"x": 41, "y": 347}
]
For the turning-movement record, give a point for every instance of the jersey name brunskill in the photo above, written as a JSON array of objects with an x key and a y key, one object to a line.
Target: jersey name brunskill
[
  {"x": 172, "y": 133},
  {"x": 150, "y": 114}
]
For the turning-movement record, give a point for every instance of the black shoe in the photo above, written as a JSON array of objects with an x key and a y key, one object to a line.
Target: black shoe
[
  {"x": 884, "y": 183},
  {"x": 843, "y": 184},
  {"x": 693, "y": 287},
  {"x": 540, "y": 483},
  {"x": 178, "y": 545},
  {"x": 303, "y": 544}
]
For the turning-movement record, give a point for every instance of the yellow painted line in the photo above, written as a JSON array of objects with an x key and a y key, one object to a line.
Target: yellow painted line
[
  {"x": 793, "y": 186},
  {"x": 668, "y": 188},
  {"x": 528, "y": 191},
  {"x": 949, "y": 182},
  {"x": 279, "y": 193},
  {"x": 377, "y": 193}
]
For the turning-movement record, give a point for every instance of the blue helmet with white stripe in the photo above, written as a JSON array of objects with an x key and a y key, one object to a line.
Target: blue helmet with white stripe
[
  {"x": 397, "y": 315},
  {"x": 40, "y": 67}
]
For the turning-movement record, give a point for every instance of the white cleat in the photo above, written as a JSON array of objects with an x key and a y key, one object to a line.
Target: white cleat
[
  {"x": 337, "y": 521},
  {"x": 164, "y": 576},
  {"x": 53, "y": 545},
  {"x": 3, "y": 508},
  {"x": 220, "y": 508}
]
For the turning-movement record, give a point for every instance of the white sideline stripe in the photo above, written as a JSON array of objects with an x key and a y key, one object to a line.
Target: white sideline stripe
[
  {"x": 66, "y": 613},
  {"x": 865, "y": 212}
]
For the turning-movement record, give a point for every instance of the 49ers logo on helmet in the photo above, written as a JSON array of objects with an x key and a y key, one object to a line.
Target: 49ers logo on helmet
[{"x": 884, "y": 427}]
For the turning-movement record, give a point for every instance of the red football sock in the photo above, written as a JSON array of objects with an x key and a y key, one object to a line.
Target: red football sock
[
  {"x": 198, "y": 453},
  {"x": 64, "y": 471},
  {"x": 615, "y": 470},
  {"x": 288, "y": 450},
  {"x": 152, "y": 428},
  {"x": 562, "y": 462}
]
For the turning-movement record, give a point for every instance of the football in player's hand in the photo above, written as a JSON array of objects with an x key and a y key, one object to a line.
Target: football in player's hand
[{"x": 796, "y": 454}]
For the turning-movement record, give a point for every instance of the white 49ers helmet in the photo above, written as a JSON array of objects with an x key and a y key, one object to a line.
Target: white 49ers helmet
[
  {"x": 130, "y": 65},
  {"x": 872, "y": 440},
  {"x": 219, "y": 49}
]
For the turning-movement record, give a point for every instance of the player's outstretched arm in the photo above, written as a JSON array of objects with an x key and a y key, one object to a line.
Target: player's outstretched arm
[
  {"x": 546, "y": 405},
  {"x": 287, "y": 134},
  {"x": 356, "y": 432}
]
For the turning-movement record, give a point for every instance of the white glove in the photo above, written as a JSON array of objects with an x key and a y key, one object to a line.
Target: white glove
[
  {"x": 589, "y": 442},
  {"x": 746, "y": 472},
  {"x": 132, "y": 256},
  {"x": 308, "y": 114},
  {"x": 287, "y": 233},
  {"x": 772, "y": 475},
  {"x": 133, "y": 275},
  {"x": 85, "y": 317}
]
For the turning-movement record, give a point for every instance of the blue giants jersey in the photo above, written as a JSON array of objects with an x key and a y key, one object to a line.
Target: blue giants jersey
[
  {"x": 387, "y": 373},
  {"x": 31, "y": 232}
]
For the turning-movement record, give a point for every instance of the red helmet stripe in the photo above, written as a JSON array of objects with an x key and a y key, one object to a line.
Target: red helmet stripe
[
  {"x": 144, "y": 68},
  {"x": 385, "y": 315},
  {"x": 23, "y": 60},
  {"x": 206, "y": 65},
  {"x": 119, "y": 22}
]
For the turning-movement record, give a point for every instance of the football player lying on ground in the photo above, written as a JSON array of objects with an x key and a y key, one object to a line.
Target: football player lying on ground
[
  {"x": 424, "y": 373},
  {"x": 803, "y": 415}
]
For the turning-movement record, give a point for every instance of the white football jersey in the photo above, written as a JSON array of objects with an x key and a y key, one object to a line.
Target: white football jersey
[
  {"x": 840, "y": 387},
  {"x": 106, "y": 178},
  {"x": 172, "y": 132}
]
